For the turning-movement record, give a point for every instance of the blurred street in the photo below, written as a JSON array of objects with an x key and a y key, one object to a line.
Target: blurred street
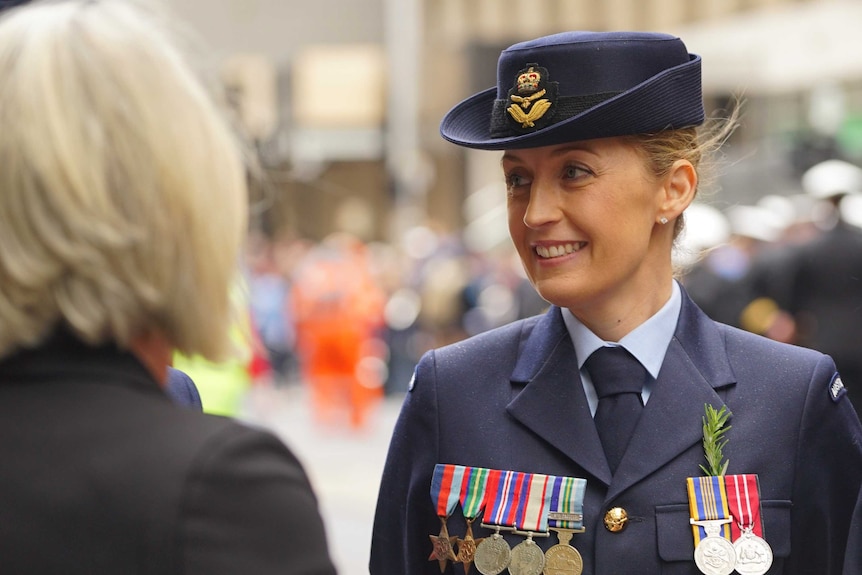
[{"x": 344, "y": 465}]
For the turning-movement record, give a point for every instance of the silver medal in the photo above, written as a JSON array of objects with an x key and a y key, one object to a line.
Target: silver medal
[
  {"x": 714, "y": 555},
  {"x": 753, "y": 554}
]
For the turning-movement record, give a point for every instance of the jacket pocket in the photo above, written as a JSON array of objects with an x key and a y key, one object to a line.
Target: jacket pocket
[
  {"x": 676, "y": 543},
  {"x": 673, "y": 533},
  {"x": 776, "y": 525}
]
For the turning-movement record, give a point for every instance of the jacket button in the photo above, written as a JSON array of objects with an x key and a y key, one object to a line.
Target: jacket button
[{"x": 616, "y": 519}]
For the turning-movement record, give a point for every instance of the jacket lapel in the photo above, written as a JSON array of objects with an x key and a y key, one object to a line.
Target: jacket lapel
[{"x": 553, "y": 404}]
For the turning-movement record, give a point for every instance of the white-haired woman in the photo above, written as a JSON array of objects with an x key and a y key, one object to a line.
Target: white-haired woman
[{"x": 122, "y": 212}]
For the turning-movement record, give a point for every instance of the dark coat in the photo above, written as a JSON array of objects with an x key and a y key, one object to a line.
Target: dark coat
[
  {"x": 512, "y": 399},
  {"x": 826, "y": 298},
  {"x": 103, "y": 474}
]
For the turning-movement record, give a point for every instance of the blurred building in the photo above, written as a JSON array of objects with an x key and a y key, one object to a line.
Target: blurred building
[{"x": 344, "y": 97}]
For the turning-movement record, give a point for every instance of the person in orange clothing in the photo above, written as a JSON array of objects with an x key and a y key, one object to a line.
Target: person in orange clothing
[{"x": 339, "y": 309}]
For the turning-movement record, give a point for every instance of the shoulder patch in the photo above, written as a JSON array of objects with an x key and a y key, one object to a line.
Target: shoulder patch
[
  {"x": 412, "y": 383},
  {"x": 836, "y": 388}
]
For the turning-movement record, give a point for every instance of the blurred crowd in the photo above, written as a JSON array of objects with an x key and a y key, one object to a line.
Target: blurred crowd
[
  {"x": 786, "y": 267},
  {"x": 349, "y": 319}
]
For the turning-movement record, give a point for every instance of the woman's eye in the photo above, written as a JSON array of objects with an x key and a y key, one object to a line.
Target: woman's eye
[
  {"x": 574, "y": 172},
  {"x": 516, "y": 181}
]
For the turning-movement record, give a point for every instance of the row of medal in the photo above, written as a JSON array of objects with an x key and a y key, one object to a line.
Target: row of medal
[
  {"x": 725, "y": 519},
  {"x": 527, "y": 504}
]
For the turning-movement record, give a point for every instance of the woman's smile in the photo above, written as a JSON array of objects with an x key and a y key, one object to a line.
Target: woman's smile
[{"x": 554, "y": 251}]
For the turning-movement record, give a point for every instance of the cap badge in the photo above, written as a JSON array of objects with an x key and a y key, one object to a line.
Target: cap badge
[{"x": 532, "y": 96}]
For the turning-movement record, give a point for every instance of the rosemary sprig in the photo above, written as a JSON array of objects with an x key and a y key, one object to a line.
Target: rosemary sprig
[{"x": 714, "y": 422}]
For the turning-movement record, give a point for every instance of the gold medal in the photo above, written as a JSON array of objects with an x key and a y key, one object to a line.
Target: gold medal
[
  {"x": 562, "y": 558},
  {"x": 565, "y": 517}
]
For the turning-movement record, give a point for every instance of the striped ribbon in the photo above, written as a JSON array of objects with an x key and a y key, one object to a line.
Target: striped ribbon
[
  {"x": 567, "y": 502},
  {"x": 534, "y": 497},
  {"x": 707, "y": 500},
  {"x": 446, "y": 487},
  {"x": 500, "y": 498},
  {"x": 473, "y": 491},
  {"x": 743, "y": 498}
]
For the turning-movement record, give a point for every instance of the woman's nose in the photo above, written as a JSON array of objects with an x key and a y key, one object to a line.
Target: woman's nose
[{"x": 543, "y": 207}]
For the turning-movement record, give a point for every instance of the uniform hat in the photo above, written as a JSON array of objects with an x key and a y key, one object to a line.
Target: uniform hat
[
  {"x": 832, "y": 178},
  {"x": 4, "y": 4},
  {"x": 579, "y": 86}
]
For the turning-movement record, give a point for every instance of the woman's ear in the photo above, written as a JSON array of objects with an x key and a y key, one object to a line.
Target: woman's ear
[{"x": 679, "y": 190}]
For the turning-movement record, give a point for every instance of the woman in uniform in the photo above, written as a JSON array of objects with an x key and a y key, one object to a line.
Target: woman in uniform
[{"x": 624, "y": 386}]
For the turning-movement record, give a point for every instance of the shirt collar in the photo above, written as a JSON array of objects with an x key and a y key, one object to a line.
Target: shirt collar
[{"x": 648, "y": 342}]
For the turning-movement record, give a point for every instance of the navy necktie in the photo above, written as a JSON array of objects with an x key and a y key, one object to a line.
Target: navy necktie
[{"x": 619, "y": 379}]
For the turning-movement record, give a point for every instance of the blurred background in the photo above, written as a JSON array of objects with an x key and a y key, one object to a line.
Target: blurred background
[{"x": 373, "y": 240}]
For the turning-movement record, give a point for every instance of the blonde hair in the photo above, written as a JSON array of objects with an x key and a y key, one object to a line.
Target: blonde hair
[
  {"x": 122, "y": 186},
  {"x": 699, "y": 145}
]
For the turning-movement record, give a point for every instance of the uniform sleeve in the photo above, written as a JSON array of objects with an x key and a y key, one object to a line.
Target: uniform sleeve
[
  {"x": 853, "y": 559},
  {"x": 249, "y": 508},
  {"x": 405, "y": 516},
  {"x": 828, "y": 479}
]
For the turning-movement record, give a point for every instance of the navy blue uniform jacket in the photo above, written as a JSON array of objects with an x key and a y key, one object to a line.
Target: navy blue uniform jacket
[{"x": 512, "y": 399}]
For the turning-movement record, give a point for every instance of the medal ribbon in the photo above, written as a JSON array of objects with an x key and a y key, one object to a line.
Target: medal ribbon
[
  {"x": 473, "y": 491},
  {"x": 534, "y": 499},
  {"x": 707, "y": 499},
  {"x": 567, "y": 500},
  {"x": 446, "y": 487},
  {"x": 743, "y": 497},
  {"x": 500, "y": 497}
]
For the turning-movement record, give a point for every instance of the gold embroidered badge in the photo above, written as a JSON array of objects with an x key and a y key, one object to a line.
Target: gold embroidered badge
[{"x": 529, "y": 103}]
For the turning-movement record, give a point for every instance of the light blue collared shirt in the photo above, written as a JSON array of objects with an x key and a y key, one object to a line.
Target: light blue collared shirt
[{"x": 648, "y": 342}]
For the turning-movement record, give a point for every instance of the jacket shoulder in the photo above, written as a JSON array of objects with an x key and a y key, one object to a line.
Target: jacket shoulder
[
  {"x": 504, "y": 340},
  {"x": 768, "y": 365},
  {"x": 741, "y": 341}
]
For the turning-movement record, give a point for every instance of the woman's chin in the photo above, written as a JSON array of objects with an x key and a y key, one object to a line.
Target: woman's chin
[{"x": 562, "y": 292}]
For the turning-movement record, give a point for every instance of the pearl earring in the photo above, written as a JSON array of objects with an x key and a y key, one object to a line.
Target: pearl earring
[{"x": 662, "y": 220}]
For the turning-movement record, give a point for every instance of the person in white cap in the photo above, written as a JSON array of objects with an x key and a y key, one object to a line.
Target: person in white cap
[{"x": 826, "y": 280}]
